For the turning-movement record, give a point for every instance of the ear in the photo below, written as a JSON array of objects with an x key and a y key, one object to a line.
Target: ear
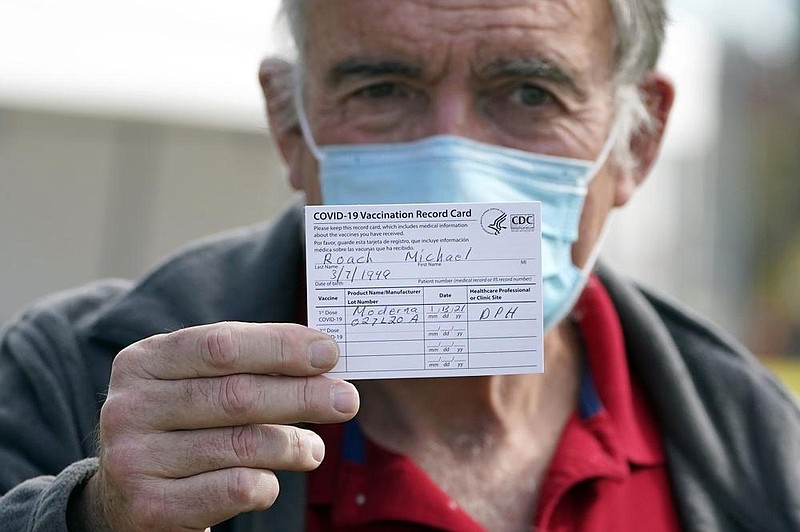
[
  {"x": 658, "y": 94},
  {"x": 277, "y": 85}
]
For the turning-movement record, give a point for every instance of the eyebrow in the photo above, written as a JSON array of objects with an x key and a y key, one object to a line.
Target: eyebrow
[
  {"x": 367, "y": 68},
  {"x": 531, "y": 68}
]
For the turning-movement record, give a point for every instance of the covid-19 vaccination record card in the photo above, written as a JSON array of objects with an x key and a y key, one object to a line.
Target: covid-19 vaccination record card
[{"x": 427, "y": 290}]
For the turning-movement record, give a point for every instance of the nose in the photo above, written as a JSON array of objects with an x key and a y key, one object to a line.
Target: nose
[
  {"x": 451, "y": 113},
  {"x": 454, "y": 112}
]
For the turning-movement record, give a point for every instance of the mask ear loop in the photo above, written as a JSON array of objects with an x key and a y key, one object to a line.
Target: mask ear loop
[
  {"x": 584, "y": 273},
  {"x": 302, "y": 117},
  {"x": 601, "y": 160},
  {"x": 598, "y": 246},
  {"x": 598, "y": 164},
  {"x": 605, "y": 151},
  {"x": 594, "y": 255}
]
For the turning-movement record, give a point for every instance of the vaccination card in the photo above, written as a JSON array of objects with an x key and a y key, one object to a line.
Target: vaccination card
[{"x": 427, "y": 290}]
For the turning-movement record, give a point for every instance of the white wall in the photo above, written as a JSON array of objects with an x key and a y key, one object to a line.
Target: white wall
[{"x": 83, "y": 197}]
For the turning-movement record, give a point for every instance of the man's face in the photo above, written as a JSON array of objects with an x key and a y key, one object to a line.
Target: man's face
[{"x": 528, "y": 74}]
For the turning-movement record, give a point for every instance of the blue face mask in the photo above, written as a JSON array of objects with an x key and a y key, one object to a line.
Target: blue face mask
[{"x": 447, "y": 168}]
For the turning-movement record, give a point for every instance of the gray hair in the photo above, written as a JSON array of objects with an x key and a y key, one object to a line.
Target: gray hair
[{"x": 640, "y": 27}]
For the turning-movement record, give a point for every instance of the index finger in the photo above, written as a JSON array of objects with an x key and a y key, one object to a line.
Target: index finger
[{"x": 231, "y": 347}]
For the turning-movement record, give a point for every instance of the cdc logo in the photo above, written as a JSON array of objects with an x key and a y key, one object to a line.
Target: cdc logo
[
  {"x": 492, "y": 221},
  {"x": 523, "y": 222}
]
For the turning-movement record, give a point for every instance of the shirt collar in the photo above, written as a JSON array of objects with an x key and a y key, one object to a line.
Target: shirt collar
[
  {"x": 611, "y": 388},
  {"x": 361, "y": 483}
]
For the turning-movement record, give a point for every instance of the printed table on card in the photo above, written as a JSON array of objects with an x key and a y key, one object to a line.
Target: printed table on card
[{"x": 427, "y": 290}]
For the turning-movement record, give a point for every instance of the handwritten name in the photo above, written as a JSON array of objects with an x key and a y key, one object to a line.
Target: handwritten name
[
  {"x": 423, "y": 255},
  {"x": 364, "y": 258}
]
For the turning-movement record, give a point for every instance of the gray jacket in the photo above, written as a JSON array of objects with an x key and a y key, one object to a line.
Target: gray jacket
[{"x": 732, "y": 433}]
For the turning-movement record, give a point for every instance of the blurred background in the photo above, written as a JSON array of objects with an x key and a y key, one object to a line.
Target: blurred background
[{"x": 130, "y": 128}]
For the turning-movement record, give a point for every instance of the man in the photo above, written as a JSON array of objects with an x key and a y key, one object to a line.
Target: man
[{"x": 644, "y": 420}]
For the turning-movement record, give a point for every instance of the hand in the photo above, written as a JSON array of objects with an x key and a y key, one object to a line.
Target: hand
[{"x": 195, "y": 423}]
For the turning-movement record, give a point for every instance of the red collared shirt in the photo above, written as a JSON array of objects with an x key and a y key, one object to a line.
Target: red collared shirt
[{"x": 607, "y": 474}]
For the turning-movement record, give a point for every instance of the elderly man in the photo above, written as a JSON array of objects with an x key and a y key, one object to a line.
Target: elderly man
[{"x": 645, "y": 419}]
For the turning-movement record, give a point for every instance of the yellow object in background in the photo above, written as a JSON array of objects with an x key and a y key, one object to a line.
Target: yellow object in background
[{"x": 787, "y": 369}]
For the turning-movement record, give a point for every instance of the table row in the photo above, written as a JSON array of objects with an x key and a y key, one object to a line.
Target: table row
[
  {"x": 415, "y": 295},
  {"x": 443, "y": 362},
  {"x": 387, "y": 318}
]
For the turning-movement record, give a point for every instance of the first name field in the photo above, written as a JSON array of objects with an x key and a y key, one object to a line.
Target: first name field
[{"x": 424, "y": 290}]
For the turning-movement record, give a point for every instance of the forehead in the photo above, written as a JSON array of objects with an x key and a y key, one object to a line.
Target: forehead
[{"x": 575, "y": 33}]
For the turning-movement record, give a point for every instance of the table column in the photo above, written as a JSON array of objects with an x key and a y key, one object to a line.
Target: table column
[
  {"x": 330, "y": 318},
  {"x": 494, "y": 314},
  {"x": 446, "y": 328},
  {"x": 384, "y": 328}
]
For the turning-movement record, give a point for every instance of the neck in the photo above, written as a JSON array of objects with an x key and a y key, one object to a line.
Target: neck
[{"x": 469, "y": 414}]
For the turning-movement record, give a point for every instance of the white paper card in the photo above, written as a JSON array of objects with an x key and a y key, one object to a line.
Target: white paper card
[{"x": 427, "y": 290}]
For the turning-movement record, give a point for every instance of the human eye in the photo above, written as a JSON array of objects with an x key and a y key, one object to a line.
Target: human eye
[
  {"x": 383, "y": 96},
  {"x": 530, "y": 95},
  {"x": 379, "y": 90},
  {"x": 522, "y": 108},
  {"x": 382, "y": 104}
]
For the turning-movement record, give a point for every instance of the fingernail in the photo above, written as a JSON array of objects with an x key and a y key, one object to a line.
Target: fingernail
[
  {"x": 318, "y": 449},
  {"x": 322, "y": 353},
  {"x": 345, "y": 398}
]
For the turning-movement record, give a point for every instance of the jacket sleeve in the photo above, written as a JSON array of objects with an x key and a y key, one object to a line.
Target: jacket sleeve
[
  {"x": 39, "y": 504},
  {"x": 48, "y": 410}
]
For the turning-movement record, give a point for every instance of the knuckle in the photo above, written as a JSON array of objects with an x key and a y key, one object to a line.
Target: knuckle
[
  {"x": 307, "y": 396},
  {"x": 287, "y": 339},
  {"x": 222, "y": 345},
  {"x": 115, "y": 415},
  {"x": 243, "y": 488},
  {"x": 128, "y": 361},
  {"x": 110, "y": 417},
  {"x": 120, "y": 462},
  {"x": 235, "y": 394},
  {"x": 299, "y": 445},
  {"x": 279, "y": 345},
  {"x": 245, "y": 443}
]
